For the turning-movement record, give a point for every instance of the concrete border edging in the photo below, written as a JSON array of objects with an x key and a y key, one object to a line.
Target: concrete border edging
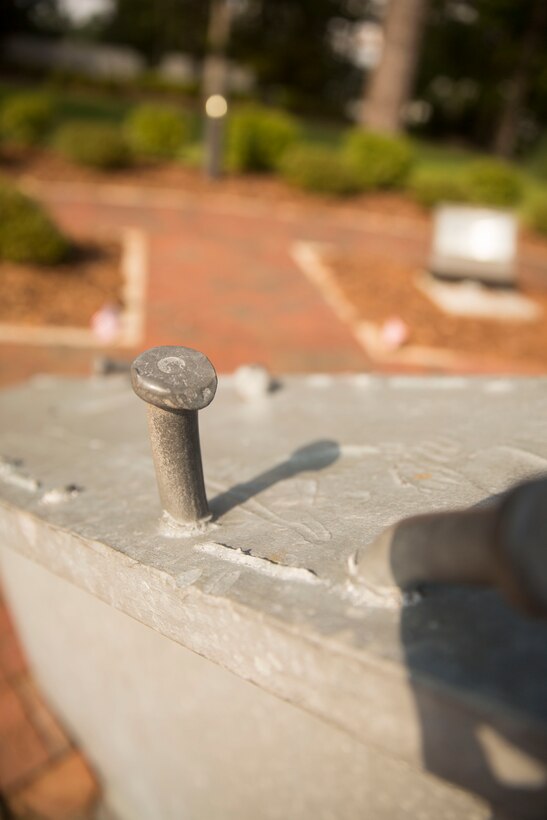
[
  {"x": 134, "y": 268},
  {"x": 309, "y": 258}
]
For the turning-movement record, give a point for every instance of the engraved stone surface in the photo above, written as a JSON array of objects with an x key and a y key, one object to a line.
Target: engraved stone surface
[{"x": 298, "y": 480}]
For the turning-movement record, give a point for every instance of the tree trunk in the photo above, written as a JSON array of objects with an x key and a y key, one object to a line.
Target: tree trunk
[
  {"x": 505, "y": 141},
  {"x": 218, "y": 33},
  {"x": 393, "y": 79}
]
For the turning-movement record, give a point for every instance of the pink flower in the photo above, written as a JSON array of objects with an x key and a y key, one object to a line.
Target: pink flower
[{"x": 394, "y": 333}]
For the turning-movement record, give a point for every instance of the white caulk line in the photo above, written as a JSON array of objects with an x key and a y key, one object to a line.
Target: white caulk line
[
  {"x": 262, "y": 565},
  {"x": 11, "y": 473},
  {"x": 356, "y": 594}
]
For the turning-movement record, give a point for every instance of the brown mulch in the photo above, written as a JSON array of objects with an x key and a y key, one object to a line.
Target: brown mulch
[
  {"x": 67, "y": 294},
  {"x": 381, "y": 287}
]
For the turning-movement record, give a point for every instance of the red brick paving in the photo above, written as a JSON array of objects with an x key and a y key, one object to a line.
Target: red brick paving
[
  {"x": 64, "y": 790},
  {"x": 225, "y": 282},
  {"x": 42, "y": 775},
  {"x": 221, "y": 278}
]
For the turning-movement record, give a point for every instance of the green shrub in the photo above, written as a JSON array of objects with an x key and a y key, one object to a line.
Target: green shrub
[
  {"x": 258, "y": 138},
  {"x": 27, "y": 234},
  {"x": 536, "y": 161},
  {"x": 97, "y": 145},
  {"x": 492, "y": 182},
  {"x": 26, "y": 119},
  {"x": 382, "y": 161},
  {"x": 317, "y": 168},
  {"x": 156, "y": 131},
  {"x": 536, "y": 213},
  {"x": 192, "y": 155},
  {"x": 480, "y": 182},
  {"x": 432, "y": 185},
  {"x": 152, "y": 81}
]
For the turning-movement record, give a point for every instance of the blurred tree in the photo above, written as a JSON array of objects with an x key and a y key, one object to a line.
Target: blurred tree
[
  {"x": 155, "y": 27},
  {"x": 481, "y": 68},
  {"x": 288, "y": 45},
  {"x": 525, "y": 63},
  {"x": 483, "y": 71},
  {"x": 16, "y": 16},
  {"x": 392, "y": 82},
  {"x": 20, "y": 16},
  {"x": 217, "y": 38}
]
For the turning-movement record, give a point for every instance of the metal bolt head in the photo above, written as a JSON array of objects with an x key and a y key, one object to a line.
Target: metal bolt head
[{"x": 174, "y": 378}]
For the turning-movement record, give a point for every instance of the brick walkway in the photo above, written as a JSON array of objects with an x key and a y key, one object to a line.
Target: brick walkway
[
  {"x": 42, "y": 775},
  {"x": 221, "y": 278}
]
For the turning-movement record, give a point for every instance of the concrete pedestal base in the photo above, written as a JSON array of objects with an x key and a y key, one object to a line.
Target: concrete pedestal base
[
  {"x": 246, "y": 670},
  {"x": 174, "y": 736}
]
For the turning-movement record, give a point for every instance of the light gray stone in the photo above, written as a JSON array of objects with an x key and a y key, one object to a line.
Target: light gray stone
[
  {"x": 173, "y": 735},
  {"x": 453, "y": 683}
]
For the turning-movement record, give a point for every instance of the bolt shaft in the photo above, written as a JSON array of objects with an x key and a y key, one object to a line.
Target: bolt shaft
[
  {"x": 176, "y": 382},
  {"x": 174, "y": 437}
]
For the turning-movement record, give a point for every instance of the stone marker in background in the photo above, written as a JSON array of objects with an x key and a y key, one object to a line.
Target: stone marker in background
[{"x": 474, "y": 243}]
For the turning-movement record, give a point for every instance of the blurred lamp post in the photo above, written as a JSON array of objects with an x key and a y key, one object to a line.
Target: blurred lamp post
[
  {"x": 215, "y": 77},
  {"x": 216, "y": 108},
  {"x": 474, "y": 243}
]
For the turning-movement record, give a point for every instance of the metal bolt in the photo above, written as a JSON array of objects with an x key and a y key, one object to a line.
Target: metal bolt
[{"x": 176, "y": 382}]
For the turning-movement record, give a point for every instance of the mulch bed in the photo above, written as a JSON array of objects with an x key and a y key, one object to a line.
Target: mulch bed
[
  {"x": 67, "y": 294},
  {"x": 381, "y": 287}
]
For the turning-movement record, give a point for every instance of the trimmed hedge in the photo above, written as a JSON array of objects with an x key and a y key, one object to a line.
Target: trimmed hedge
[
  {"x": 319, "y": 169},
  {"x": 431, "y": 186},
  {"x": 26, "y": 119},
  {"x": 536, "y": 213},
  {"x": 258, "y": 138},
  {"x": 96, "y": 145},
  {"x": 27, "y": 234},
  {"x": 537, "y": 159},
  {"x": 492, "y": 182},
  {"x": 192, "y": 155},
  {"x": 381, "y": 161},
  {"x": 156, "y": 131},
  {"x": 480, "y": 182}
]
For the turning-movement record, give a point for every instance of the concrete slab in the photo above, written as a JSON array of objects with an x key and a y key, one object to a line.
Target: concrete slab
[
  {"x": 174, "y": 735},
  {"x": 469, "y": 298},
  {"x": 299, "y": 480}
]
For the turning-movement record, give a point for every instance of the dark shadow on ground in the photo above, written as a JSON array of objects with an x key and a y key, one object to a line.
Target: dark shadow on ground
[
  {"x": 311, "y": 457},
  {"x": 478, "y": 673}
]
